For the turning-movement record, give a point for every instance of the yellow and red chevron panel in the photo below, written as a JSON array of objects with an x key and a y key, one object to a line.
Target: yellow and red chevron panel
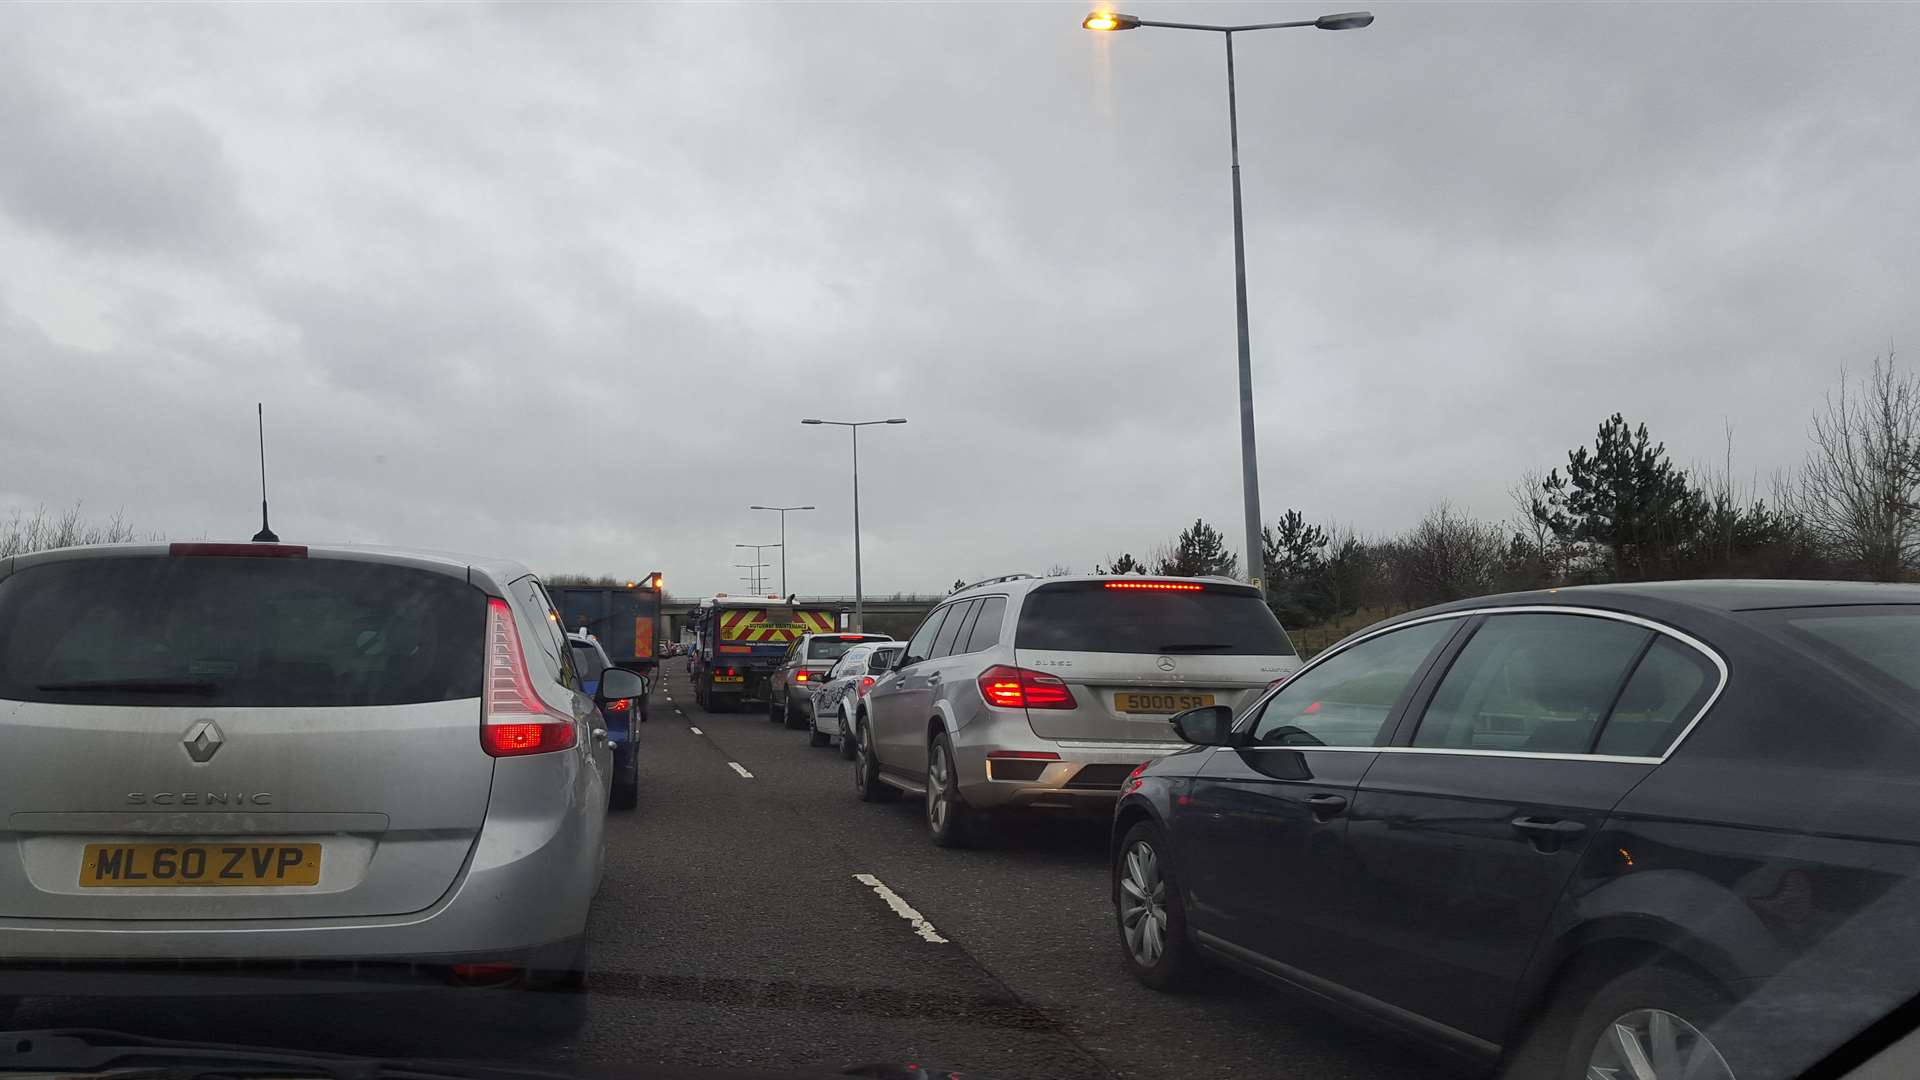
[{"x": 771, "y": 626}]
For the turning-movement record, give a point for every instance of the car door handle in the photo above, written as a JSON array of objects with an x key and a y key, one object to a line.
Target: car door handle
[
  {"x": 1550, "y": 828},
  {"x": 600, "y": 733},
  {"x": 933, "y": 679},
  {"x": 1325, "y": 807}
]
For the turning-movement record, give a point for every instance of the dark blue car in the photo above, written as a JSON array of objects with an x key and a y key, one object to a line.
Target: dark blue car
[{"x": 622, "y": 717}]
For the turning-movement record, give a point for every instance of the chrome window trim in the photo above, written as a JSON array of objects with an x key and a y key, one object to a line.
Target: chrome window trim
[{"x": 1699, "y": 646}]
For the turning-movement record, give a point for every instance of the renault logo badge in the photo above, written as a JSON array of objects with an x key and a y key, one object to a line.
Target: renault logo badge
[{"x": 203, "y": 740}]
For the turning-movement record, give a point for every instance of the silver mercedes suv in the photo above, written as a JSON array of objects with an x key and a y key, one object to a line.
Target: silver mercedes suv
[
  {"x": 1029, "y": 693},
  {"x": 261, "y": 757}
]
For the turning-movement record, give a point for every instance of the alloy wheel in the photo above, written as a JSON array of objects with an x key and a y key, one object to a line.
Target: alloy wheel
[
  {"x": 939, "y": 773},
  {"x": 1143, "y": 904},
  {"x": 860, "y": 758},
  {"x": 1653, "y": 1044}
]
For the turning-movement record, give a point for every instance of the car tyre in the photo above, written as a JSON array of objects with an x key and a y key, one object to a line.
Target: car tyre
[
  {"x": 626, "y": 788},
  {"x": 1149, "y": 912},
  {"x": 1664, "y": 1012},
  {"x": 950, "y": 821},
  {"x": 866, "y": 769},
  {"x": 816, "y": 737},
  {"x": 773, "y": 710},
  {"x": 846, "y": 737}
]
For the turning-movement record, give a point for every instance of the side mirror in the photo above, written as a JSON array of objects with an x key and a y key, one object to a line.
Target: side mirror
[
  {"x": 619, "y": 684},
  {"x": 1208, "y": 725}
]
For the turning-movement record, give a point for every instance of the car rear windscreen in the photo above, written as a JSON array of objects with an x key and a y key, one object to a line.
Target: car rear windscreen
[
  {"x": 831, "y": 648},
  {"x": 245, "y": 632},
  {"x": 1089, "y": 617},
  {"x": 1883, "y": 641}
]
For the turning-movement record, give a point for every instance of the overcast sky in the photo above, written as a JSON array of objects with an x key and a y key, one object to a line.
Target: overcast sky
[{"x": 558, "y": 282}]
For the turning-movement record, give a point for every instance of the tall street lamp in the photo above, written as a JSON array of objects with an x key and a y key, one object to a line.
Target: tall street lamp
[
  {"x": 758, "y": 554},
  {"x": 782, "y": 511},
  {"x": 1249, "y": 466},
  {"x": 859, "y": 599}
]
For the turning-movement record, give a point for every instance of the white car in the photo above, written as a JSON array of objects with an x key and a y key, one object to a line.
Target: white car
[{"x": 838, "y": 695}]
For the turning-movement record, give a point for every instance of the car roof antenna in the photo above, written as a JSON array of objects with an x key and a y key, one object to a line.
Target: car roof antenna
[{"x": 265, "y": 535}]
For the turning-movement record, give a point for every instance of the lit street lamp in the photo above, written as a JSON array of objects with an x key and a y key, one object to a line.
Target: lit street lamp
[
  {"x": 859, "y": 602},
  {"x": 1109, "y": 21},
  {"x": 782, "y": 511}
]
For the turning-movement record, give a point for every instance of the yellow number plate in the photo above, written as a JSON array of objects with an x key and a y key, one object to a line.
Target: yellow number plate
[
  {"x": 718, "y": 679},
  {"x": 1143, "y": 702},
  {"x": 124, "y": 865}
]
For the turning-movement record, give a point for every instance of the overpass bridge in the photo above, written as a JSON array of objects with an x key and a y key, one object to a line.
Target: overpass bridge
[{"x": 896, "y": 614}]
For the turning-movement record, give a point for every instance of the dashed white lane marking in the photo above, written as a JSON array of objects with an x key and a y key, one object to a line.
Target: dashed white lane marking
[
  {"x": 901, "y": 908},
  {"x": 695, "y": 730},
  {"x": 741, "y": 769}
]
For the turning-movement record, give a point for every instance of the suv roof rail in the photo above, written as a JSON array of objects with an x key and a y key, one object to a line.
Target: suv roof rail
[{"x": 993, "y": 581}]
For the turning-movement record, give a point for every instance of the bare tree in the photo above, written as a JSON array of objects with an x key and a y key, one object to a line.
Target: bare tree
[
  {"x": 1448, "y": 556},
  {"x": 1059, "y": 570},
  {"x": 1857, "y": 491},
  {"x": 40, "y": 530}
]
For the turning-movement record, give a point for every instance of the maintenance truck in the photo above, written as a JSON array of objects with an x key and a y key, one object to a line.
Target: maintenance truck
[
  {"x": 740, "y": 640},
  {"x": 625, "y": 621}
]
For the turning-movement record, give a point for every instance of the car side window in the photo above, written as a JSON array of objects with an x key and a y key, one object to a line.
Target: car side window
[
  {"x": 921, "y": 643},
  {"x": 1531, "y": 683},
  {"x": 985, "y": 633},
  {"x": 949, "y": 630},
  {"x": 880, "y": 659},
  {"x": 1345, "y": 700},
  {"x": 1665, "y": 691},
  {"x": 966, "y": 630}
]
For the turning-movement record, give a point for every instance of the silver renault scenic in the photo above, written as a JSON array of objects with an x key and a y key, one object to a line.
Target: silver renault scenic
[{"x": 266, "y": 757}]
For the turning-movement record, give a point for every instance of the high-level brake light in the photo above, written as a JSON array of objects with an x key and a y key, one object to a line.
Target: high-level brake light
[
  {"x": 1007, "y": 687},
  {"x": 1156, "y": 586},
  {"x": 514, "y": 721},
  {"x": 239, "y": 551}
]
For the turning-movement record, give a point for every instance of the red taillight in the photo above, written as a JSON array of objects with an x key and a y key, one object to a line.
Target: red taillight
[
  {"x": 866, "y": 684},
  {"x": 801, "y": 676},
  {"x": 1156, "y": 586},
  {"x": 617, "y": 706},
  {"x": 240, "y": 551},
  {"x": 484, "y": 974},
  {"x": 514, "y": 721},
  {"x": 1016, "y": 688}
]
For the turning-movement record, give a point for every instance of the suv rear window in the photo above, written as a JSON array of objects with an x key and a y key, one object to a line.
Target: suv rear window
[
  {"x": 1088, "y": 617},
  {"x": 238, "y": 632}
]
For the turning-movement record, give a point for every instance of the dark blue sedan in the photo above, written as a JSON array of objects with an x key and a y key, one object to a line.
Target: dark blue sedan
[{"x": 1655, "y": 830}]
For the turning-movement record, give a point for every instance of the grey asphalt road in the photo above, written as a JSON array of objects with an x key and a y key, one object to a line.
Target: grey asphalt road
[{"x": 735, "y": 929}]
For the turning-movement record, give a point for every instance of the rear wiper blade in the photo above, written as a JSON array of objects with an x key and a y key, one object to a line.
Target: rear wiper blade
[
  {"x": 89, "y": 1050},
  {"x": 145, "y": 686},
  {"x": 1195, "y": 646}
]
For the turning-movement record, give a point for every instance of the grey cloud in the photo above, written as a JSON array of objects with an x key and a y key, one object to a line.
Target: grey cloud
[{"x": 655, "y": 236}]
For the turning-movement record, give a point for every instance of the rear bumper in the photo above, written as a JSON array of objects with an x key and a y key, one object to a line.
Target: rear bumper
[
  {"x": 527, "y": 884},
  {"x": 1086, "y": 776}
]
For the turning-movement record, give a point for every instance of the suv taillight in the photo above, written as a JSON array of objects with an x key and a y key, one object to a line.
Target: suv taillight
[
  {"x": 513, "y": 720},
  {"x": 1007, "y": 687}
]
